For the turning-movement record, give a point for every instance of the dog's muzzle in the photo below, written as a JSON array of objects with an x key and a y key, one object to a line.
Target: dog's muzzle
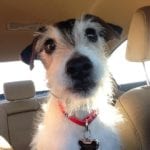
[{"x": 80, "y": 70}]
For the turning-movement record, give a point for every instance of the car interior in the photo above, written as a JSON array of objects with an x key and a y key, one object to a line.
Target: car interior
[{"x": 20, "y": 102}]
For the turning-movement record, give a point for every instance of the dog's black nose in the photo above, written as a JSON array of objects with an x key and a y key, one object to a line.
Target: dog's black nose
[
  {"x": 79, "y": 67},
  {"x": 80, "y": 71}
]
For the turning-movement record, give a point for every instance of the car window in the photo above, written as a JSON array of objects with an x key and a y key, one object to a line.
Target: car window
[
  {"x": 126, "y": 72},
  {"x": 17, "y": 70}
]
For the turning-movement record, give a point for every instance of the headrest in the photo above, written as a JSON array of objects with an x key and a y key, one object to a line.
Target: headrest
[
  {"x": 138, "y": 47},
  {"x": 19, "y": 90}
]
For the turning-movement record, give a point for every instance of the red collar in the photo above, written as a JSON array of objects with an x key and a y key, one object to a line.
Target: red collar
[{"x": 82, "y": 122}]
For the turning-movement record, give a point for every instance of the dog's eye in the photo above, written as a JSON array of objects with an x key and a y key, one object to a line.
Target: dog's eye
[
  {"x": 90, "y": 33},
  {"x": 49, "y": 46}
]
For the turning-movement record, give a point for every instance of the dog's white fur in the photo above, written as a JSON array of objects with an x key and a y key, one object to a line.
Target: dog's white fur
[{"x": 55, "y": 131}]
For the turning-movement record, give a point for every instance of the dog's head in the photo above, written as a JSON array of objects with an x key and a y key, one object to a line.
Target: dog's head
[{"x": 73, "y": 53}]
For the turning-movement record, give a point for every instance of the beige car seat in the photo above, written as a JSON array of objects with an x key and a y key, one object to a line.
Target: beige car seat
[
  {"x": 17, "y": 114},
  {"x": 135, "y": 104}
]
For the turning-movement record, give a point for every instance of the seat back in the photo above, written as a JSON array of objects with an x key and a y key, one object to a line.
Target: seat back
[
  {"x": 17, "y": 114},
  {"x": 135, "y": 104}
]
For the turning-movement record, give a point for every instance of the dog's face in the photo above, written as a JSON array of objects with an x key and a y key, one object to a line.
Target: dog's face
[{"x": 73, "y": 53}]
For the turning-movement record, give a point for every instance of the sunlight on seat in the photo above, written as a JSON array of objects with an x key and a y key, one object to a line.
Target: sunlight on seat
[{"x": 4, "y": 145}]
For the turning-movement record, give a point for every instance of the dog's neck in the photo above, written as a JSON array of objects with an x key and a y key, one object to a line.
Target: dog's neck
[
  {"x": 77, "y": 108},
  {"x": 80, "y": 108}
]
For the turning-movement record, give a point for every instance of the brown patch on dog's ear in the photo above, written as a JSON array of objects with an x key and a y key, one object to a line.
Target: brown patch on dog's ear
[
  {"x": 117, "y": 30},
  {"x": 66, "y": 28},
  {"x": 110, "y": 32},
  {"x": 29, "y": 54}
]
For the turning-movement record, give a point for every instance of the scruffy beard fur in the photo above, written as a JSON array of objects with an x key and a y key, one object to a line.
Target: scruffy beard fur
[{"x": 86, "y": 37}]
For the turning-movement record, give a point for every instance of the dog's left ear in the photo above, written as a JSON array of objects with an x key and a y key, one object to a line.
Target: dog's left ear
[
  {"x": 117, "y": 29},
  {"x": 110, "y": 31}
]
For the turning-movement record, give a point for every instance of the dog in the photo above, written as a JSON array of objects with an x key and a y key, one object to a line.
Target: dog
[{"x": 78, "y": 114}]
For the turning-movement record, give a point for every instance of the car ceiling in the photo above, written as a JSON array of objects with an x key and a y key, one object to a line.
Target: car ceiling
[{"x": 49, "y": 11}]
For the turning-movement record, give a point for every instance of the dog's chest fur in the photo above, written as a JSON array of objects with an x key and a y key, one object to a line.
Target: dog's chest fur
[{"x": 59, "y": 133}]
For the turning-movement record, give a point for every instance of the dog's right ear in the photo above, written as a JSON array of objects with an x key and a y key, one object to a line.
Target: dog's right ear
[
  {"x": 29, "y": 54},
  {"x": 26, "y": 54}
]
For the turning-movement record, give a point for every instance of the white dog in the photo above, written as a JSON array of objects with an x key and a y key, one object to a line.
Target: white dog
[{"x": 78, "y": 115}]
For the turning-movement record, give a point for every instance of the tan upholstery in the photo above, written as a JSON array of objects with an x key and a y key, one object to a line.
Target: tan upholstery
[
  {"x": 17, "y": 115},
  {"x": 138, "y": 47},
  {"x": 19, "y": 90},
  {"x": 135, "y": 107},
  {"x": 135, "y": 104}
]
